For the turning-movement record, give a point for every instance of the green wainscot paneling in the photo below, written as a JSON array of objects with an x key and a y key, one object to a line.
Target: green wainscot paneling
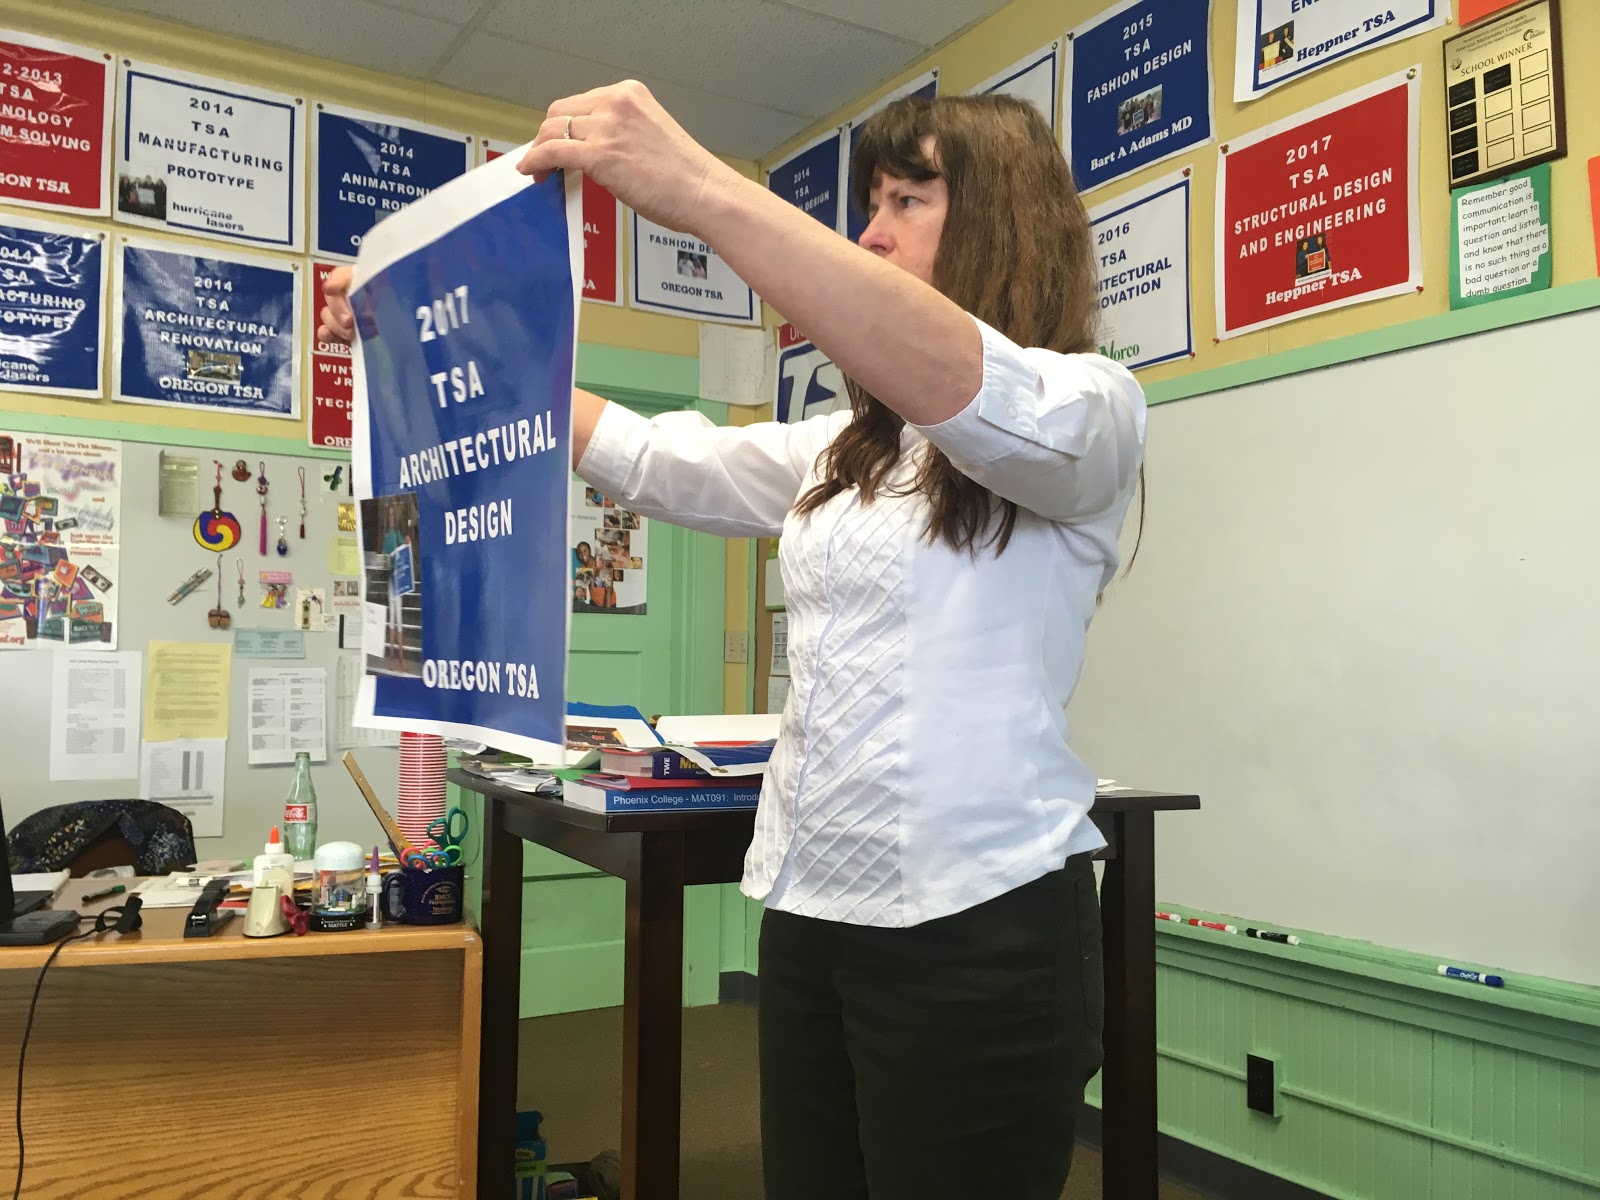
[{"x": 1393, "y": 1084}]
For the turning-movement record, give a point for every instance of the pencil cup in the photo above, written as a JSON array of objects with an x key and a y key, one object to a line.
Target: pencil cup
[{"x": 413, "y": 896}]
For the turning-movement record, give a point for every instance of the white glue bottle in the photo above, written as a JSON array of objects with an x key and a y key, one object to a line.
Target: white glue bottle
[{"x": 273, "y": 857}]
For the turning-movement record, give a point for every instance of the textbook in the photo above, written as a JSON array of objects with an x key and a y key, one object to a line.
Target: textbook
[
  {"x": 619, "y": 793},
  {"x": 674, "y": 762}
]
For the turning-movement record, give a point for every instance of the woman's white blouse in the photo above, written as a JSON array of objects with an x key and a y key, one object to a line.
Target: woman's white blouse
[{"x": 922, "y": 764}]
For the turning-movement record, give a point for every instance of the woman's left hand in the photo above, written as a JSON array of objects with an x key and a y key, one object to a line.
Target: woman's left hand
[{"x": 623, "y": 139}]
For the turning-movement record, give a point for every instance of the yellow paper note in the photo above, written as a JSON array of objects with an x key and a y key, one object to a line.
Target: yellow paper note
[
  {"x": 186, "y": 690},
  {"x": 344, "y": 556}
]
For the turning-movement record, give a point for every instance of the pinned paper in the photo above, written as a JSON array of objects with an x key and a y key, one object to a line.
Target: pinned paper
[{"x": 344, "y": 556}]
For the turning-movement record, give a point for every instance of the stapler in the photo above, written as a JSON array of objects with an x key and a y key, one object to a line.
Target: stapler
[{"x": 205, "y": 918}]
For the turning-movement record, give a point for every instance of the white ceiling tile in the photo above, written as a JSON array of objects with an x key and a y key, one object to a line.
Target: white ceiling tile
[
  {"x": 533, "y": 76},
  {"x": 753, "y": 50},
  {"x": 357, "y": 32},
  {"x": 926, "y": 22},
  {"x": 456, "y": 12}
]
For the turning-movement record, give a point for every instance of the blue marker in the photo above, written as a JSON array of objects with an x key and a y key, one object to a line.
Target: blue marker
[{"x": 1471, "y": 976}]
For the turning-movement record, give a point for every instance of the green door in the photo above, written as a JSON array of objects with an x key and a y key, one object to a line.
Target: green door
[{"x": 667, "y": 660}]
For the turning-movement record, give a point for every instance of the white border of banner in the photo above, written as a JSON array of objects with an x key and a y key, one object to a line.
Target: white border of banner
[
  {"x": 1140, "y": 195},
  {"x": 107, "y": 146},
  {"x": 414, "y": 226},
  {"x": 1411, "y": 80},
  {"x": 204, "y": 250},
  {"x": 1066, "y": 92},
  {"x": 106, "y": 269},
  {"x": 1248, "y": 34},
  {"x": 314, "y": 170},
  {"x": 299, "y": 169},
  {"x": 1021, "y": 67},
  {"x": 499, "y": 147},
  {"x": 883, "y": 101}
]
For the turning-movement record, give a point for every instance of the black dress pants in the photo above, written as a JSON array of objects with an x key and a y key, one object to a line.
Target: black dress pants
[{"x": 901, "y": 1063}]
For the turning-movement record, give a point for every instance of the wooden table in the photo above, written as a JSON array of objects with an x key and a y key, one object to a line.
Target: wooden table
[
  {"x": 323, "y": 1066},
  {"x": 657, "y": 855}
]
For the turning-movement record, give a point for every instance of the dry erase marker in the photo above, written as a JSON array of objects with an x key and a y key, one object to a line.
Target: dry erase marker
[
  {"x": 1471, "y": 976},
  {"x": 1196, "y": 921},
  {"x": 1267, "y": 935},
  {"x": 1175, "y": 917},
  {"x": 115, "y": 890}
]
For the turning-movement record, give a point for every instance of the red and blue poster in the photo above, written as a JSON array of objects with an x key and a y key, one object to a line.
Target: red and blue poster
[
  {"x": 602, "y": 233},
  {"x": 55, "y": 125},
  {"x": 1138, "y": 88},
  {"x": 809, "y": 384},
  {"x": 1320, "y": 210},
  {"x": 462, "y": 458},
  {"x": 366, "y": 166}
]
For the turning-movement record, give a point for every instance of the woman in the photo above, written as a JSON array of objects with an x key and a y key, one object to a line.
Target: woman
[{"x": 930, "y": 974}]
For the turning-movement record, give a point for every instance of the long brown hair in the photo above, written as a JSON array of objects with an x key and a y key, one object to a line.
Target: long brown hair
[{"x": 1016, "y": 252}]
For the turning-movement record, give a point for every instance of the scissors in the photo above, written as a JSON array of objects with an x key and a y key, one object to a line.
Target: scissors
[{"x": 447, "y": 834}]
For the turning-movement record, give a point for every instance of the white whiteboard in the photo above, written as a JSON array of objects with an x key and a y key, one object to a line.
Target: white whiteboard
[
  {"x": 1365, "y": 627},
  {"x": 157, "y": 554}
]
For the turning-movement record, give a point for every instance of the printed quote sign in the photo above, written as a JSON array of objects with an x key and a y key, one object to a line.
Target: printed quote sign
[
  {"x": 1319, "y": 210},
  {"x": 209, "y": 157},
  {"x": 55, "y": 125}
]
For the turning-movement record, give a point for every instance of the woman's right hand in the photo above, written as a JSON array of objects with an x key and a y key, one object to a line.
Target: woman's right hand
[{"x": 336, "y": 322}]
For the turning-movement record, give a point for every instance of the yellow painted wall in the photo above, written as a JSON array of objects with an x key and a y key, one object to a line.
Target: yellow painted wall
[
  {"x": 172, "y": 44},
  {"x": 1027, "y": 25}
]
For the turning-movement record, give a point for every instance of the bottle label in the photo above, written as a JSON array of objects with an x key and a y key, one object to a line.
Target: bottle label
[{"x": 295, "y": 812}]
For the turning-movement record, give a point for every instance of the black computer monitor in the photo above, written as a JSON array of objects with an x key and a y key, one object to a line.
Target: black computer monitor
[{"x": 14, "y": 903}]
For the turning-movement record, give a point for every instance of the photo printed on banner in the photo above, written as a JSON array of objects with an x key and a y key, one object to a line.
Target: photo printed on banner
[
  {"x": 53, "y": 317},
  {"x": 208, "y": 157}
]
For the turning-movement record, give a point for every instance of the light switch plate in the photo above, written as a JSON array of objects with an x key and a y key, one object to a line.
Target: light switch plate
[{"x": 735, "y": 646}]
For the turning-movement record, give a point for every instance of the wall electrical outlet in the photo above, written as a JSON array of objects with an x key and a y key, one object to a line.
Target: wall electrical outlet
[
  {"x": 1261, "y": 1085},
  {"x": 735, "y": 646}
]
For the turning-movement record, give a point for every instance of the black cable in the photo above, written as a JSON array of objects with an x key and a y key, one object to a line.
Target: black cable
[
  {"x": 22, "y": 1055},
  {"x": 123, "y": 918}
]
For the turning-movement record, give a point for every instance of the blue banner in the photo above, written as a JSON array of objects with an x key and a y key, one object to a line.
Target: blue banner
[
  {"x": 207, "y": 332},
  {"x": 52, "y": 311},
  {"x": 809, "y": 179},
  {"x": 1138, "y": 88},
  {"x": 462, "y": 455},
  {"x": 369, "y": 166},
  {"x": 926, "y": 87}
]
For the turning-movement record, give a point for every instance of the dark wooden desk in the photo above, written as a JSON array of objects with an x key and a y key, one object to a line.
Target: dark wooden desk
[{"x": 657, "y": 855}]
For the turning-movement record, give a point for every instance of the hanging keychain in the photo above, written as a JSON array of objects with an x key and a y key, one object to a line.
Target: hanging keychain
[
  {"x": 241, "y": 582},
  {"x": 302, "y": 504},
  {"x": 217, "y": 530},
  {"x": 219, "y": 617},
  {"x": 261, "y": 490},
  {"x": 283, "y": 542}
]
